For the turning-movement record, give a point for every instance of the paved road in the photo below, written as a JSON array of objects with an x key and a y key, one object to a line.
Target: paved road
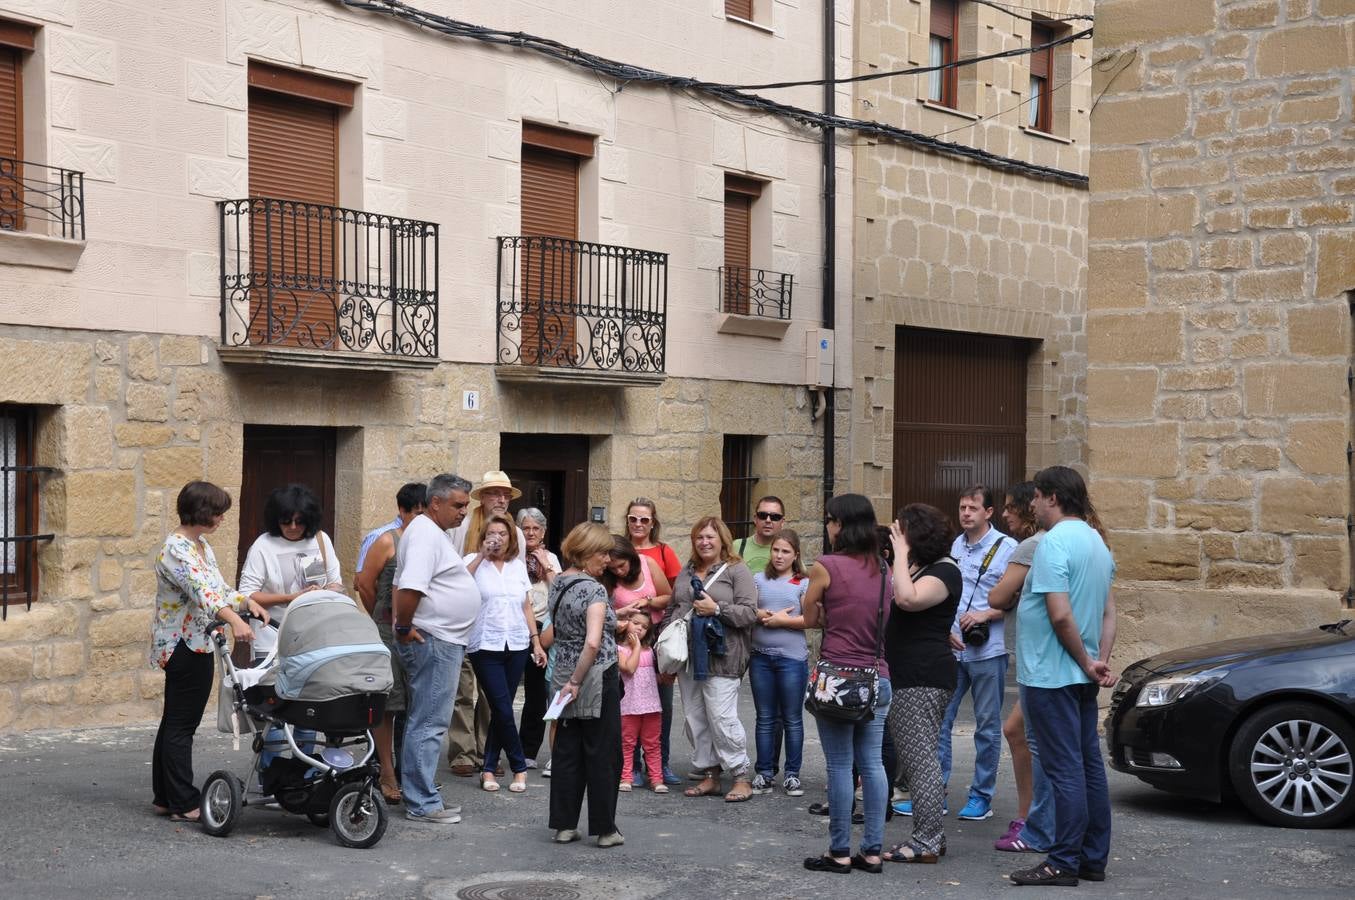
[{"x": 75, "y": 822}]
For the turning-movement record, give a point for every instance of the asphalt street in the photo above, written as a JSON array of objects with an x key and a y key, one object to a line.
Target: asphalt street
[{"x": 75, "y": 822}]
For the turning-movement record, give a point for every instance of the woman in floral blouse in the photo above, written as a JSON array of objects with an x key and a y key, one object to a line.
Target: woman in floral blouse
[{"x": 190, "y": 594}]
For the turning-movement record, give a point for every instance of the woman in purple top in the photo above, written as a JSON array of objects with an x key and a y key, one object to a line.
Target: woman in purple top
[{"x": 849, "y": 600}]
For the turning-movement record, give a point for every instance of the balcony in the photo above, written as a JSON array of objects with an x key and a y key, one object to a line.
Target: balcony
[
  {"x": 327, "y": 287},
  {"x": 42, "y": 214},
  {"x": 574, "y": 312},
  {"x": 754, "y": 302}
]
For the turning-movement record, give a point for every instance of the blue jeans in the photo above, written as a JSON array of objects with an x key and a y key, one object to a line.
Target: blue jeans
[
  {"x": 844, "y": 743},
  {"x": 1063, "y": 721},
  {"x": 1039, "y": 830},
  {"x": 434, "y": 669},
  {"x": 778, "y": 684},
  {"x": 986, "y": 680},
  {"x": 499, "y": 672}
]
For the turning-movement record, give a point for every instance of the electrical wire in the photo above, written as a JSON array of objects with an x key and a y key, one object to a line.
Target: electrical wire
[
  {"x": 1045, "y": 15},
  {"x": 625, "y": 73},
  {"x": 1002, "y": 112}
]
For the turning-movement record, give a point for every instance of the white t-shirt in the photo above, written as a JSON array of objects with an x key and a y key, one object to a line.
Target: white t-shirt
[
  {"x": 501, "y": 622},
  {"x": 427, "y": 562},
  {"x": 275, "y": 565}
]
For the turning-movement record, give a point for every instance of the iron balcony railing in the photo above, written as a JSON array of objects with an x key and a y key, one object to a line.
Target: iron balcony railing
[
  {"x": 755, "y": 292},
  {"x": 315, "y": 277},
  {"x": 572, "y": 304},
  {"x": 42, "y": 199}
]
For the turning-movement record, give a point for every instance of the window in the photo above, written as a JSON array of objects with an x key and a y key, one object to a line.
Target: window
[
  {"x": 739, "y": 9},
  {"x": 740, "y": 196},
  {"x": 737, "y": 483},
  {"x": 16, "y": 42},
  {"x": 19, "y": 536},
  {"x": 1040, "y": 108},
  {"x": 945, "y": 26}
]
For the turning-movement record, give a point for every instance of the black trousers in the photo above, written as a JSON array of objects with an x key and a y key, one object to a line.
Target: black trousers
[
  {"x": 587, "y": 758},
  {"x": 188, "y": 684},
  {"x": 531, "y": 727}
]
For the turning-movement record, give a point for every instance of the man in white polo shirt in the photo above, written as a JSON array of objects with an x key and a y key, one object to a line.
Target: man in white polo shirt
[{"x": 436, "y": 604}]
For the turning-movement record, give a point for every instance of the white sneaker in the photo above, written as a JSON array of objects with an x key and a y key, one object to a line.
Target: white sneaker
[
  {"x": 436, "y": 817},
  {"x": 545, "y": 773}
]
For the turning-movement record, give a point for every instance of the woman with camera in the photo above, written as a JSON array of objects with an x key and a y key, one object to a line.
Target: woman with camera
[
  {"x": 717, "y": 589},
  {"x": 927, "y": 587}
]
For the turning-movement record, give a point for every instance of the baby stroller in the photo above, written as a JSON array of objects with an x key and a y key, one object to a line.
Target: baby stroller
[{"x": 330, "y": 673}]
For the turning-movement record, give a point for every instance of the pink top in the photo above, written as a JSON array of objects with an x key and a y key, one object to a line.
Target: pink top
[
  {"x": 624, "y": 596},
  {"x": 642, "y": 688}
]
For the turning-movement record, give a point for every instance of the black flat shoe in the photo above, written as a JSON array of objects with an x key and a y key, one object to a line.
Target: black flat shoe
[
  {"x": 1091, "y": 874},
  {"x": 818, "y": 809},
  {"x": 859, "y": 862},
  {"x": 827, "y": 864},
  {"x": 1045, "y": 875}
]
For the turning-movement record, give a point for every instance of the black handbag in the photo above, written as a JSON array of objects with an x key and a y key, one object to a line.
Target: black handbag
[{"x": 848, "y": 693}]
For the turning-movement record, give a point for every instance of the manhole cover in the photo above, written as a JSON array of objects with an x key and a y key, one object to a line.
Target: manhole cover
[{"x": 519, "y": 890}]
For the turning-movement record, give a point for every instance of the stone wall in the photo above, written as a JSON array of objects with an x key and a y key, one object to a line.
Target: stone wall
[
  {"x": 950, "y": 244},
  {"x": 1221, "y": 253},
  {"x": 127, "y": 419}
]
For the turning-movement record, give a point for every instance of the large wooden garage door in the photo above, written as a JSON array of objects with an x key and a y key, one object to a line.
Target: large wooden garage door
[
  {"x": 294, "y": 156},
  {"x": 550, "y": 268},
  {"x": 959, "y": 415}
]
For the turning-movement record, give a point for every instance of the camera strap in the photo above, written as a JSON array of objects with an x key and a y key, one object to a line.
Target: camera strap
[{"x": 987, "y": 561}]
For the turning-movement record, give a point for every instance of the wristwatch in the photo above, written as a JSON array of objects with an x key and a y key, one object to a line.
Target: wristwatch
[{"x": 403, "y": 630}]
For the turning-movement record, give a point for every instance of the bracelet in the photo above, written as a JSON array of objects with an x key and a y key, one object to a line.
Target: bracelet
[
  {"x": 402, "y": 629},
  {"x": 573, "y": 682}
]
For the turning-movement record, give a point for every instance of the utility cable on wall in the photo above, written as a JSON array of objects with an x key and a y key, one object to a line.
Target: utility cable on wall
[{"x": 731, "y": 94}]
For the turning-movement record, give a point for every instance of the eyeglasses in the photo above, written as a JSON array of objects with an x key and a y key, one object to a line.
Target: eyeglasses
[
  {"x": 770, "y": 516},
  {"x": 294, "y": 520},
  {"x": 639, "y": 520}
]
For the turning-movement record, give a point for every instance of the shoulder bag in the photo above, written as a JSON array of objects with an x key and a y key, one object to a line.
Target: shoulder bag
[{"x": 848, "y": 693}]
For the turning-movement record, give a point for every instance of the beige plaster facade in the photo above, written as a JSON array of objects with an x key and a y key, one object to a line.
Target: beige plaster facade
[
  {"x": 1222, "y": 254},
  {"x": 951, "y": 244},
  {"x": 114, "y": 342}
]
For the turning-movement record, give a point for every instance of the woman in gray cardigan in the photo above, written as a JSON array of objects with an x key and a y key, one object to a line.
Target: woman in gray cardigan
[{"x": 722, "y": 620}]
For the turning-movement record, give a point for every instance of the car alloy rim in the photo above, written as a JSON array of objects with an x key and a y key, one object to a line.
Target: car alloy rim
[{"x": 1301, "y": 768}]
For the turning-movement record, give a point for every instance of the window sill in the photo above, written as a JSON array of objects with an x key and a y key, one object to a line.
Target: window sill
[
  {"x": 1056, "y": 138},
  {"x": 24, "y": 248},
  {"x": 941, "y": 107},
  {"x": 756, "y": 26},
  {"x": 753, "y": 326}
]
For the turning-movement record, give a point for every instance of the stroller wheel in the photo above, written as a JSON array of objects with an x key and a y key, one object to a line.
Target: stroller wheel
[
  {"x": 358, "y": 815},
  {"x": 222, "y": 800}
]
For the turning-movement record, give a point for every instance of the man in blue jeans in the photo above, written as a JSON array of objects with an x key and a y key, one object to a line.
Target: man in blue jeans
[
  {"x": 436, "y": 603},
  {"x": 1067, "y": 629},
  {"x": 982, "y": 552}
]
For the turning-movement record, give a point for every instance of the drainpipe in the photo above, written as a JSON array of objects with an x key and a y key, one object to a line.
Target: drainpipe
[{"x": 829, "y": 239}]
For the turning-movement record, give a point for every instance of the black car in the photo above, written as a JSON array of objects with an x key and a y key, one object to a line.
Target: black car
[{"x": 1270, "y": 720}]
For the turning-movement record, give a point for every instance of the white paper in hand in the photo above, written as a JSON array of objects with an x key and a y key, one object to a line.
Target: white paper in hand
[{"x": 556, "y": 707}]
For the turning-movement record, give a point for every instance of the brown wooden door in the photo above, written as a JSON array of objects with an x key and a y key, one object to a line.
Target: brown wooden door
[
  {"x": 294, "y": 156},
  {"x": 11, "y": 138},
  {"x": 279, "y": 455},
  {"x": 551, "y": 470},
  {"x": 550, "y": 209},
  {"x": 959, "y": 415}
]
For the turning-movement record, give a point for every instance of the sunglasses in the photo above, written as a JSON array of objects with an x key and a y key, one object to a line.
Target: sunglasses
[
  {"x": 770, "y": 516},
  {"x": 639, "y": 520},
  {"x": 294, "y": 520}
]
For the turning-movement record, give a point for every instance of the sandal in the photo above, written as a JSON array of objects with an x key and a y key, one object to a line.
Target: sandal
[
  {"x": 1044, "y": 873},
  {"x": 193, "y": 815},
  {"x": 706, "y": 788},
  {"x": 624, "y": 787},
  {"x": 487, "y": 782},
  {"x": 740, "y": 793},
  {"x": 908, "y": 852},
  {"x": 518, "y": 786},
  {"x": 827, "y": 864}
]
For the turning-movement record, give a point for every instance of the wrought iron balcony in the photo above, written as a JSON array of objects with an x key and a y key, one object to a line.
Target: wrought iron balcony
[
  {"x": 574, "y": 307},
  {"x": 310, "y": 277},
  {"x": 747, "y": 291},
  {"x": 42, "y": 199}
]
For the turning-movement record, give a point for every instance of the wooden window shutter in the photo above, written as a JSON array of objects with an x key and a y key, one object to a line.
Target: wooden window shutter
[
  {"x": 739, "y": 196},
  {"x": 739, "y": 9},
  {"x": 550, "y": 194},
  {"x": 544, "y": 137},
  {"x": 1039, "y": 60},
  {"x": 550, "y": 209},
  {"x": 11, "y": 138},
  {"x": 944, "y": 13},
  {"x": 293, "y": 156}
]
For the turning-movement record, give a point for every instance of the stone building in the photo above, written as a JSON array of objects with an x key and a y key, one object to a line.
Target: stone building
[
  {"x": 1222, "y": 260},
  {"x": 268, "y": 240},
  {"x": 969, "y": 354}
]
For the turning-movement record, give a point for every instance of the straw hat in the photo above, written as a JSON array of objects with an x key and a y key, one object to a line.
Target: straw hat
[{"x": 495, "y": 479}]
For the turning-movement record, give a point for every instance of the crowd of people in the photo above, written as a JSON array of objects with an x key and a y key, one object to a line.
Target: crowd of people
[{"x": 912, "y": 618}]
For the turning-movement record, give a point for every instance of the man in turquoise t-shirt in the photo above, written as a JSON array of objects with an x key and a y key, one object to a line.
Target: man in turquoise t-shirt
[{"x": 1067, "y": 628}]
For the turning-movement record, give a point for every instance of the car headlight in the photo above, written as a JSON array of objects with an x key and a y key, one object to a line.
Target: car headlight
[{"x": 1166, "y": 691}]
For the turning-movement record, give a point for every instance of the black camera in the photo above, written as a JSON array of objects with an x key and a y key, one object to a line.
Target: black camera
[{"x": 977, "y": 634}]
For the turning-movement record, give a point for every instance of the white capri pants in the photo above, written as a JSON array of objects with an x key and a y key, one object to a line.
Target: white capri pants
[{"x": 711, "y": 708}]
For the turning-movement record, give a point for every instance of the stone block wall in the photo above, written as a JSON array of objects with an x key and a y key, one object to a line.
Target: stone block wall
[
  {"x": 1221, "y": 254},
  {"x": 127, "y": 419}
]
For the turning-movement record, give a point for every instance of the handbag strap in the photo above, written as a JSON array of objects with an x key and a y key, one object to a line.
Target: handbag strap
[{"x": 880, "y": 617}]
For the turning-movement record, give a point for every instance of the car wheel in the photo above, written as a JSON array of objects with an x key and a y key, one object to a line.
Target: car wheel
[{"x": 1291, "y": 765}]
